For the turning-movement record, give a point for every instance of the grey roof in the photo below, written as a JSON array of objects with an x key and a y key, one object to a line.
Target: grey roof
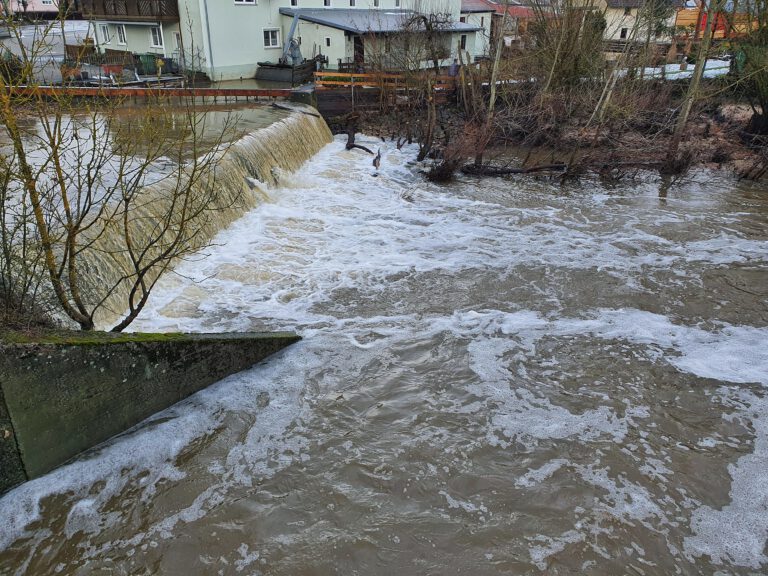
[
  {"x": 639, "y": 3},
  {"x": 365, "y": 21}
]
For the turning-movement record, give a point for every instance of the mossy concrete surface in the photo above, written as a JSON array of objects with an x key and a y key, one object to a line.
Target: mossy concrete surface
[{"x": 62, "y": 393}]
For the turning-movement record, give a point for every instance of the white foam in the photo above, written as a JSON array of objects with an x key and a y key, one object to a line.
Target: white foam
[
  {"x": 551, "y": 546},
  {"x": 336, "y": 228},
  {"x": 153, "y": 446},
  {"x": 737, "y": 533},
  {"x": 731, "y": 353},
  {"x": 537, "y": 476}
]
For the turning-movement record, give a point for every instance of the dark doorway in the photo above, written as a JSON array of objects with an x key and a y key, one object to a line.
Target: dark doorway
[{"x": 359, "y": 50}]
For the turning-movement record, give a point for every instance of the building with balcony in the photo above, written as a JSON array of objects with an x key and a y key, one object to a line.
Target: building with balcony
[
  {"x": 226, "y": 39},
  {"x": 138, "y": 26},
  {"x": 230, "y": 37}
]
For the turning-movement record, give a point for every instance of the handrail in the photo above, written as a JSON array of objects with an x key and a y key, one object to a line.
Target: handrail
[
  {"x": 378, "y": 80},
  {"x": 129, "y": 91}
]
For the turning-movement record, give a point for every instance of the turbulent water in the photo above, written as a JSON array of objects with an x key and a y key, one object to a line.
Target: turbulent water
[{"x": 496, "y": 377}]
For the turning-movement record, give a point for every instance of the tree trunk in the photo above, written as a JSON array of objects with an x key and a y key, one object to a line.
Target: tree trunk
[
  {"x": 693, "y": 89},
  {"x": 494, "y": 77}
]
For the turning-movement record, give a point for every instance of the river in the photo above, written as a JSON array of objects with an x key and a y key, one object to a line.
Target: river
[{"x": 499, "y": 376}]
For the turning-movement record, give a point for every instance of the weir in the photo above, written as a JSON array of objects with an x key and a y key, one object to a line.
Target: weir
[{"x": 227, "y": 194}]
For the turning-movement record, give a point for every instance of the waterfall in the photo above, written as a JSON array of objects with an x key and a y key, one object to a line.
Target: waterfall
[{"x": 229, "y": 191}]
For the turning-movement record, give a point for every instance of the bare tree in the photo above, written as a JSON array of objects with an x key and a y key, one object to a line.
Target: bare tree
[
  {"x": 674, "y": 162},
  {"x": 752, "y": 60},
  {"x": 106, "y": 200}
]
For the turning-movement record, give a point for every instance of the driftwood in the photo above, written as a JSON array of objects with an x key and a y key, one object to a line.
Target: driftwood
[
  {"x": 351, "y": 140},
  {"x": 600, "y": 166},
  {"x": 496, "y": 171}
]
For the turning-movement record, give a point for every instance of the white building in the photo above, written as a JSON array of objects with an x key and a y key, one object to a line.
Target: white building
[
  {"x": 227, "y": 38},
  {"x": 479, "y": 13},
  {"x": 638, "y": 20},
  {"x": 138, "y": 26}
]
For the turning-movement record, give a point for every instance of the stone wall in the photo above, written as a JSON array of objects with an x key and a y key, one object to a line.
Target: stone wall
[{"x": 64, "y": 393}]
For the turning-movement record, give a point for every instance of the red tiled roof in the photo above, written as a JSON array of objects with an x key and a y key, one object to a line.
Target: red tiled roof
[
  {"x": 477, "y": 6},
  {"x": 513, "y": 8},
  {"x": 518, "y": 11}
]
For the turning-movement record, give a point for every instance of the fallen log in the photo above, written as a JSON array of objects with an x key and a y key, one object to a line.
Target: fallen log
[
  {"x": 600, "y": 166},
  {"x": 497, "y": 171}
]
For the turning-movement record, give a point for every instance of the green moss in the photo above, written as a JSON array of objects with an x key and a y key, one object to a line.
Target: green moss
[
  {"x": 85, "y": 338},
  {"x": 75, "y": 337}
]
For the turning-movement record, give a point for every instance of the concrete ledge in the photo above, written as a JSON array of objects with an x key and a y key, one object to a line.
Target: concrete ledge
[{"x": 62, "y": 393}]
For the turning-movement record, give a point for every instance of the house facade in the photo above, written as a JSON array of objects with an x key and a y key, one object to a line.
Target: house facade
[
  {"x": 226, "y": 39},
  {"x": 138, "y": 26},
  {"x": 479, "y": 13},
  {"x": 344, "y": 31},
  {"x": 639, "y": 20},
  {"x": 34, "y": 8}
]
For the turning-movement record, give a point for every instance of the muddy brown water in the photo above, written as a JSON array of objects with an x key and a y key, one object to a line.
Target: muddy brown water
[{"x": 501, "y": 376}]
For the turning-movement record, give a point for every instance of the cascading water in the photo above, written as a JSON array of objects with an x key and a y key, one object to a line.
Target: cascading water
[
  {"x": 496, "y": 377},
  {"x": 236, "y": 186}
]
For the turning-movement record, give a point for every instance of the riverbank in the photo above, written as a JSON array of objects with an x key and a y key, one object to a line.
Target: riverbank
[{"x": 715, "y": 138}]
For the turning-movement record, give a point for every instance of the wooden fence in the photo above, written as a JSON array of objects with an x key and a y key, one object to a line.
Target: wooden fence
[{"x": 337, "y": 80}]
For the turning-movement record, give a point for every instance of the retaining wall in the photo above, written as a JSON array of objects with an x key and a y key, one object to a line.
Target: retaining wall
[{"x": 65, "y": 393}]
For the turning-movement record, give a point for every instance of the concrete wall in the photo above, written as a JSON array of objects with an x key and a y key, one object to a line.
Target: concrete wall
[{"x": 64, "y": 394}]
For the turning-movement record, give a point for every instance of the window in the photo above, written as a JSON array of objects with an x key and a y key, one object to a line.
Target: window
[
  {"x": 352, "y": 3},
  {"x": 104, "y": 30},
  {"x": 623, "y": 34},
  {"x": 47, "y": 2},
  {"x": 482, "y": 21},
  {"x": 397, "y": 3},
  {"x": 375, "y": 3},
  {"x": 627, "y": 11},
  {"x": 177, "y": 37},
  {"x": 294, "y": 2},
  {"x": 120, "y": 34},
  {"x": 328, "y": 41},
  {"x": 272, "y": 38},
  {"x": 462, "y": 19},
  {"x": 463, "y": 43},
  {"x": 327, "y": 3},
  {"x": 157, "y": 36}
]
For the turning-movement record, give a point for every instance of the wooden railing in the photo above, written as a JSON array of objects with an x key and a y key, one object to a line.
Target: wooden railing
[
  {"x": 132, "y": 10},
  {"x": 326, "y": 80}
]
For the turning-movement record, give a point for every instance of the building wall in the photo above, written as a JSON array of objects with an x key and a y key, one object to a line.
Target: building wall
[
  {"x": 34, "y": 6},
  {"x": 225, "y": 38},
  {"x": 617, "y": 20},
  {"x": 313, "y": 41},
  {"x": 233, "y": 42},
  {"x": 231, "y": 35},
  {"x": 138, "y": 37},
  {"x": 482, "y": 38}
]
